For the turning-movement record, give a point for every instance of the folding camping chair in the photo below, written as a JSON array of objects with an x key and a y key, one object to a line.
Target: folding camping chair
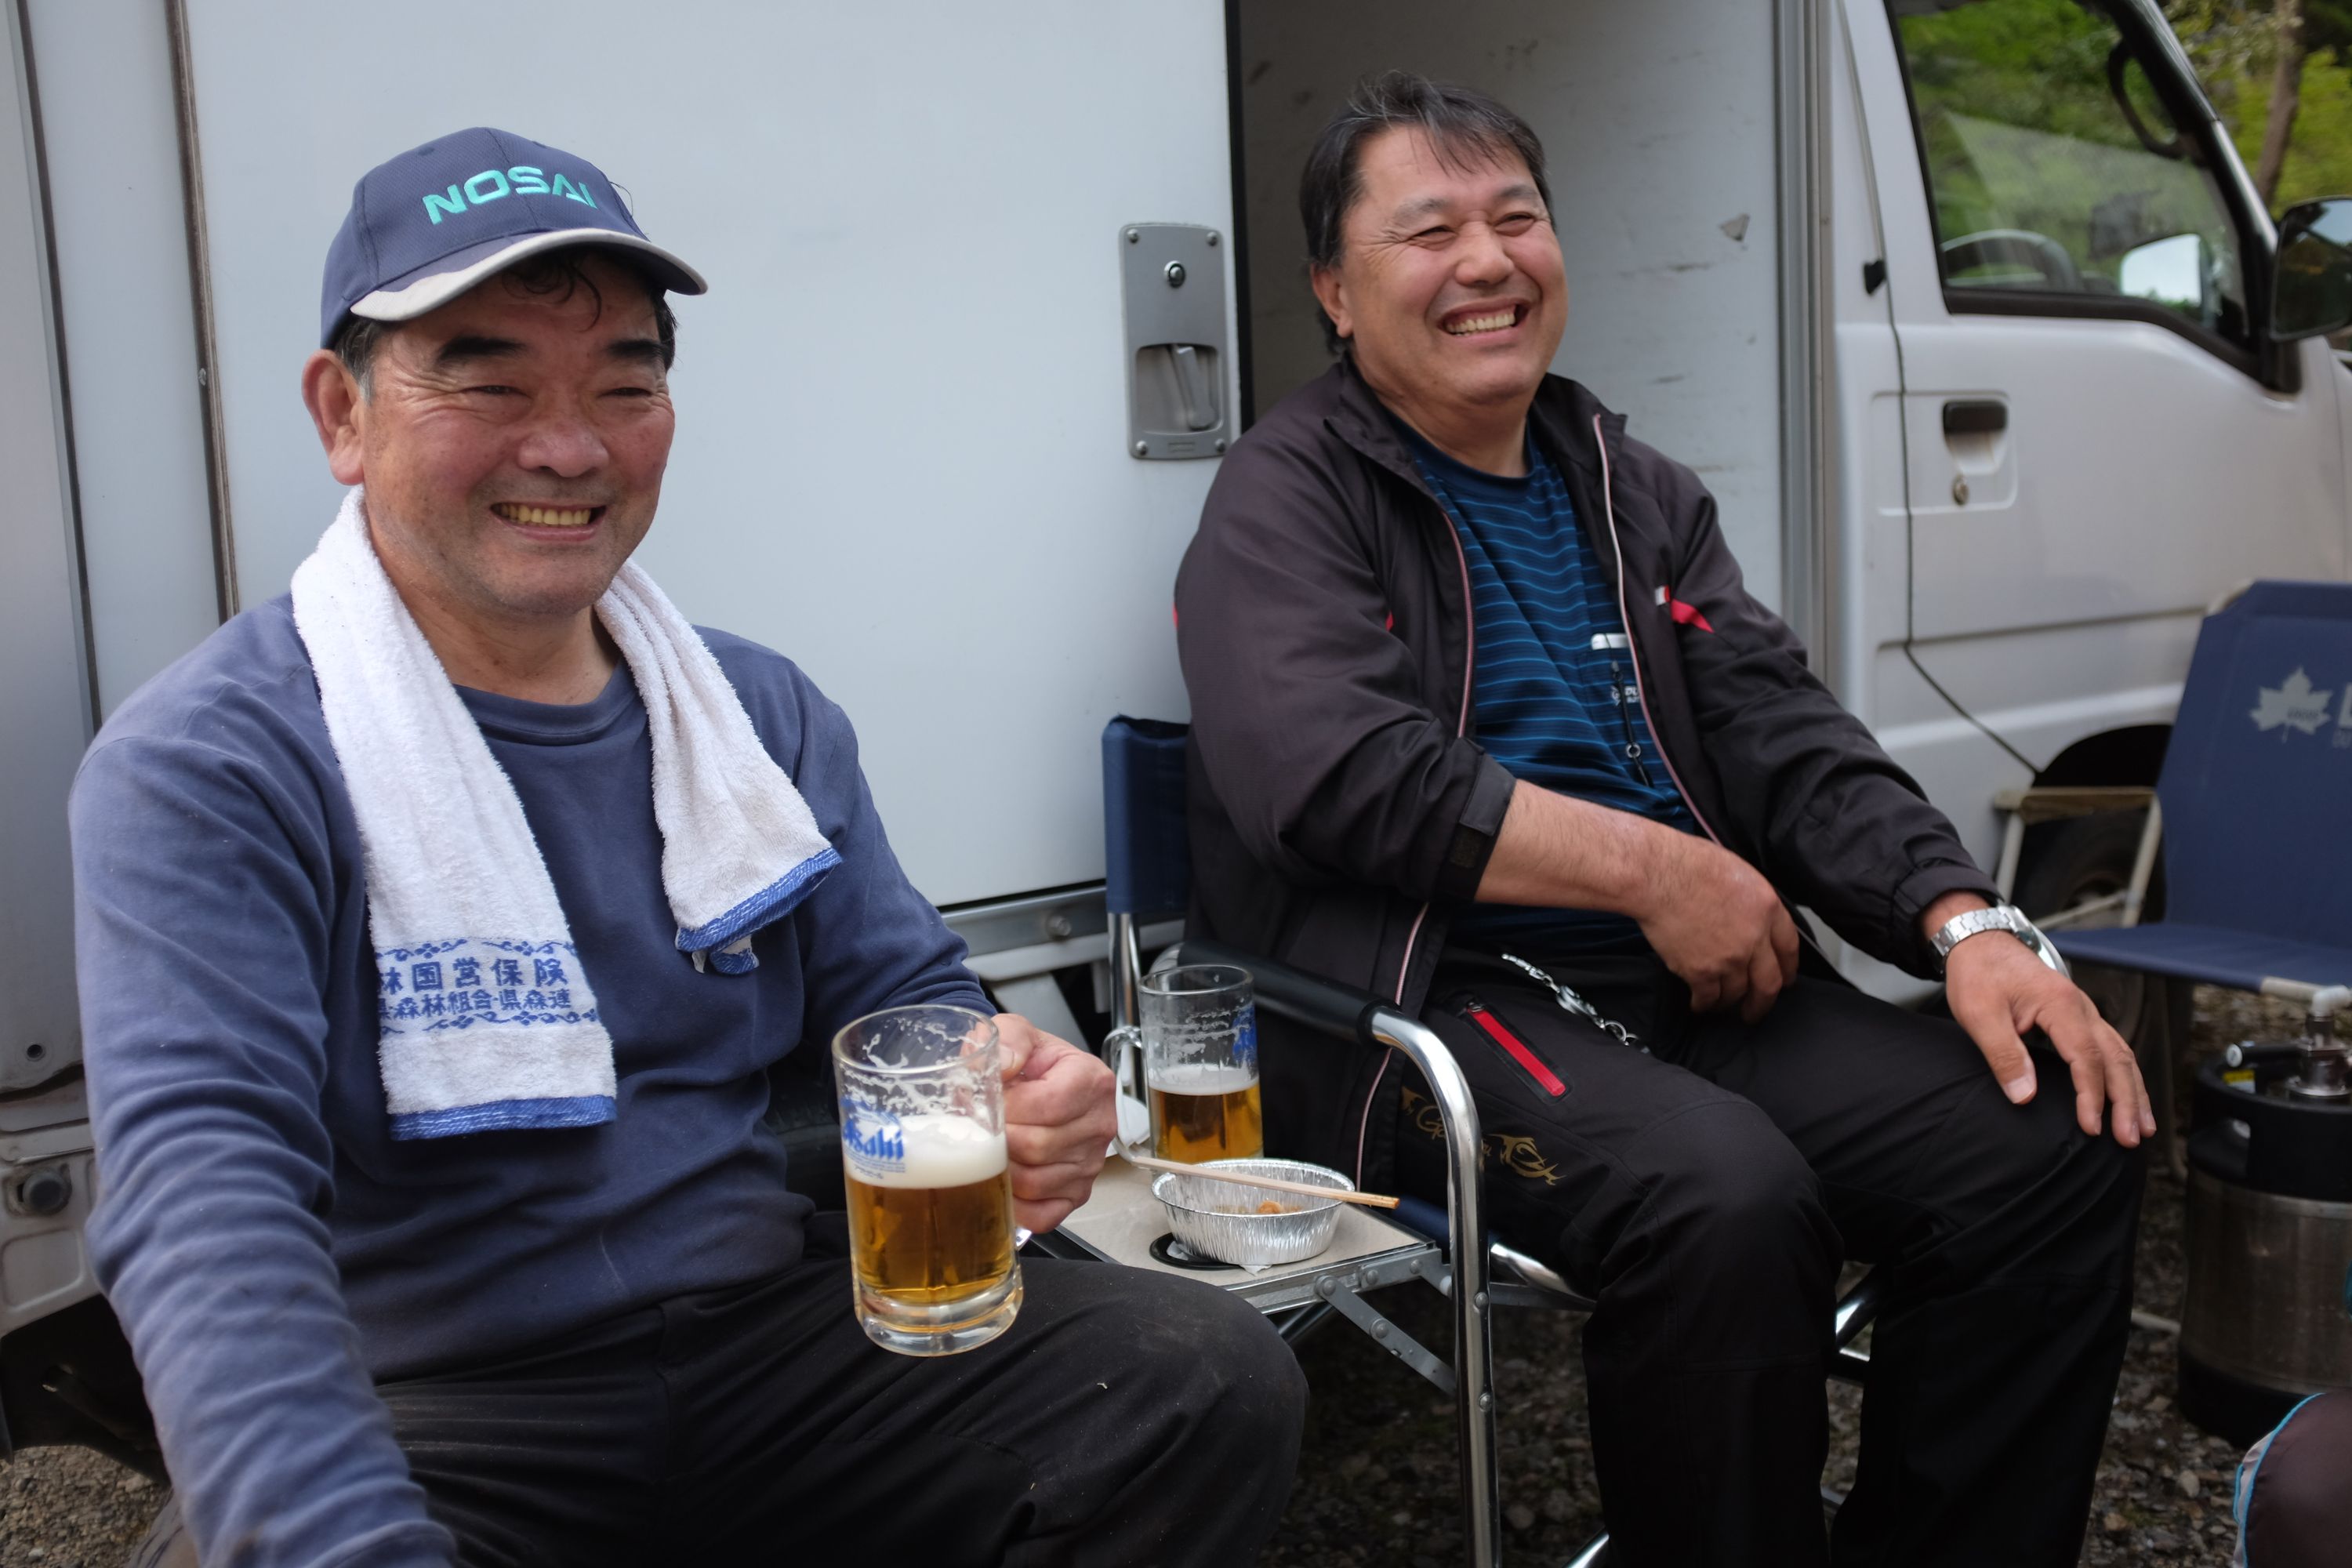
[
  {"x": 2258, "y": 872},
  {"x": 1148, "y": 876},
  {"x": 2259, "y": 898}
]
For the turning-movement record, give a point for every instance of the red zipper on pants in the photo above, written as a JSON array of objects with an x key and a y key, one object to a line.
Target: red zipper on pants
[{"x": 1518, "y": 1049}]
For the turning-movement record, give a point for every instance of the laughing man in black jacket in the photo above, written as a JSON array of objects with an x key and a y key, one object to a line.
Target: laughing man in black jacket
[{"x": 1484, "y": 718}]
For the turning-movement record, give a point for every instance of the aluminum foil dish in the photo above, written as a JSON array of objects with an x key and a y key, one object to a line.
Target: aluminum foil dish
[{"x": 1250, "y": 1225}]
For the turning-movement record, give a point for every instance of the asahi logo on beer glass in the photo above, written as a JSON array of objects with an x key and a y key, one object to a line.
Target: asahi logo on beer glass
[
  {"x": 872, "y": 1139},
  {"x": 1199, "y": 1061},
  {"x": 930, "y": 1194}
]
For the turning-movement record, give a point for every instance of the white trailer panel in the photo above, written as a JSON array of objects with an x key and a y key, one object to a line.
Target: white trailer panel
[
  {"x": 129, "y": 333},
  {"x": 1658, "y": 124},
  {"x": 45, "y": 708},
  {"x": 901, "y": 453}
]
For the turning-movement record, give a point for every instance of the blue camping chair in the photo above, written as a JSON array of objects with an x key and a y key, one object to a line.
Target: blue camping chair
[
  {"x": 1148, "y": 879},
  {"x": 2259, "y": 899},
  {"x": 2257, "y": 873}
]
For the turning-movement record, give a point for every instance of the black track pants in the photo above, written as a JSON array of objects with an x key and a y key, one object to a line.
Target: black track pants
[
  {"x": 1125, "y": 1418},
  {"x": 1705, "y": 1191}
]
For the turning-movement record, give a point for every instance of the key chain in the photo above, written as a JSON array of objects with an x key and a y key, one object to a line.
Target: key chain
[{"x": 1571, "y": 1002}]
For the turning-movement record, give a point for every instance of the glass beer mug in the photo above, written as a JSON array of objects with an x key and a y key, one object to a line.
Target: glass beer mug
[
  {"x": 1200, "y": 1063},
  {"x": 931, "y": 1195}
]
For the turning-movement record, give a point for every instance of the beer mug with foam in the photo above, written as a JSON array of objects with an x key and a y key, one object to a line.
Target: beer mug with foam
[
  {"x": 1199, "y": 1062},
  {"x": 930, "y": 1197}
]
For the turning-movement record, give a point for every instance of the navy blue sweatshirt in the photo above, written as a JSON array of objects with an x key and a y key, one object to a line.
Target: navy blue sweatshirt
[{"x": 270, "y": 1247}]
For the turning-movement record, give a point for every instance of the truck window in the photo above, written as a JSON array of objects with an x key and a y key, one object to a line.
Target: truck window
[{"x": 2058, "y": 180}]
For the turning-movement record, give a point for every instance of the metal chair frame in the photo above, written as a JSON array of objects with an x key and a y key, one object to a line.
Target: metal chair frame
[
  {"x": 2022, "y": 809},
  {"x": 1465, "y": 1275}
]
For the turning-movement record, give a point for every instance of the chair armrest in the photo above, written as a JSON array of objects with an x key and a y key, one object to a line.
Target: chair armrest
[
  {"x": 1303, "y": 998},
  {"x": 1353, "y": 1016}
]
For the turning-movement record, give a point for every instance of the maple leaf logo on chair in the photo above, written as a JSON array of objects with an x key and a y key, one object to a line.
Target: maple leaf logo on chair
[{"x": 2292, "y": 704}]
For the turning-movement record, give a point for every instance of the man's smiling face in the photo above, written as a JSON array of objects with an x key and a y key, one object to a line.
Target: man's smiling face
[
  {"x": 512, "y": 445},
  {"x": 1450, "y": 285}
]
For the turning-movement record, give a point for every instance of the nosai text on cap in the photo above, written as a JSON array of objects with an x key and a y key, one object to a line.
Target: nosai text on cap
[{"x": 430, "y": 224}]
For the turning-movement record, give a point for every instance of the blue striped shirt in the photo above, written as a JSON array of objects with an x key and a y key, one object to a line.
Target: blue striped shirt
[{"x": 1552, "y": 679}]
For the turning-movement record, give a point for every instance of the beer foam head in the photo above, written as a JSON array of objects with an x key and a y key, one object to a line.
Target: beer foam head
[
  {"x": 1202, "y": 1077},
  {"x": 935, "y": 1150}
]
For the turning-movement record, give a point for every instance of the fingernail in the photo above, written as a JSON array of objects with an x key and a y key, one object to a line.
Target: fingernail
[{"x": 2020, "y": 1088}]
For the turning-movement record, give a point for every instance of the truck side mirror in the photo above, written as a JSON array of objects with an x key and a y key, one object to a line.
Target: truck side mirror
[
  {"x": 2311, "y": 292},
  {"x": 2168, "y": 271}
]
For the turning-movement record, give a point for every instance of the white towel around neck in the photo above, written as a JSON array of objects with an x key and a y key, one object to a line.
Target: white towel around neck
[{"x": 487, "y": 1018}]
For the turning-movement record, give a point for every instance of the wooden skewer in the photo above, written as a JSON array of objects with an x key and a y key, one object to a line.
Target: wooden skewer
[{"x": 1273, "y": 1183}]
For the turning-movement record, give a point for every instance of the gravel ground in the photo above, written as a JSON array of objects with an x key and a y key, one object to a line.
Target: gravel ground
[
  {"x": 1376, "y": 1487},
  {"x": 72, "y": 1508}
]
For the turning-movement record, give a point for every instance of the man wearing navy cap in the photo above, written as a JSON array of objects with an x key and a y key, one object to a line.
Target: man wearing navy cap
[{"x": 567, "y": 1311}]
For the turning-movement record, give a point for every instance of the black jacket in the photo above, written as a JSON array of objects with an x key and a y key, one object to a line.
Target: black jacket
[{"x": 1340, "y": 807}]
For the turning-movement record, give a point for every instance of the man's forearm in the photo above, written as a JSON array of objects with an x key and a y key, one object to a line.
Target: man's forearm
[
  {"x": 1710, "y": 916},
  {"x": 1557, "y": 852}
]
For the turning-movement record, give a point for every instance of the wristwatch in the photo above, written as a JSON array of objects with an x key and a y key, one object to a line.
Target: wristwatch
[{"x": 2000, "y": 917}]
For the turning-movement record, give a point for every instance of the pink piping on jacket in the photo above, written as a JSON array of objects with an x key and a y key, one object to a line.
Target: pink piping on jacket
[
  {"x": 1461, "y": 727},
  {"x": 1609, "y": 509}
]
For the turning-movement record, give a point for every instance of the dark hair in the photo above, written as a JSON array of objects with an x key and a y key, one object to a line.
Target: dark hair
[
  {"x": 563, "y": 273},
  {"x": 1464, "y": 125}
]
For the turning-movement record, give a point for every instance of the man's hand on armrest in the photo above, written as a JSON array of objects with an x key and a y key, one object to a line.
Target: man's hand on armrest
[
  {"x": 1059, "y": 1116},
  {"x": 1999, "y": 989},
  {"x": 1712, "y": 917}
]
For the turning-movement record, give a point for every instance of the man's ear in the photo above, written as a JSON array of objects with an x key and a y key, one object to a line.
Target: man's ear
[
  {"x": 338, "y": 408},
  {"x": 1332, "y": 295}
]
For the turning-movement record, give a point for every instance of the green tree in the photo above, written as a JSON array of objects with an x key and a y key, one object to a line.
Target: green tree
[{"x": 2236, "y": 47}]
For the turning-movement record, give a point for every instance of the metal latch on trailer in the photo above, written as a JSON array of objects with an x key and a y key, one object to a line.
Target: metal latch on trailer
[{"x": 1172, "y": 283}]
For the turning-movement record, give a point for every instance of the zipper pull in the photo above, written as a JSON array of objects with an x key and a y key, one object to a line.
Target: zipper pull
[
  {"x": 1625, "y": 717},
  {"x": 1550, "y": 1081}
]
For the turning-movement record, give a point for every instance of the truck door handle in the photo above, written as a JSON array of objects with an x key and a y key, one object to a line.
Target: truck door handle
[
  {"x": 1195, "y": 393},
  {"x": 1975, "y": 416}
]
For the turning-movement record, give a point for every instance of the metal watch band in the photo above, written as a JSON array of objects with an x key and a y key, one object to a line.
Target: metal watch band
[{"x": 2000, "y": 917}]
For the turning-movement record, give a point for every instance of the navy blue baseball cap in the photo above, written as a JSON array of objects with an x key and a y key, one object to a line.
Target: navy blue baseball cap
[{"x": 429, "y": 224}]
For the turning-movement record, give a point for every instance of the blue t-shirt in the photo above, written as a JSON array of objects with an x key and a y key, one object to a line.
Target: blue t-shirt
[
  {"x": 1552, "y": 679},
  {"x": 268, "y": 1245}
]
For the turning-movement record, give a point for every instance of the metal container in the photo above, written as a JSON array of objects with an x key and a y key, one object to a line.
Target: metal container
[
  {"x": 2269, "y": 1241},
  {"x": 1218, "y": 1219},
  {"x": 2266, "y": 1287}
]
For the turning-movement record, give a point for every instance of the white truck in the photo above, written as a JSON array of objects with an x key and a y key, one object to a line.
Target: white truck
[{"x": 1972, "y": 352}]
